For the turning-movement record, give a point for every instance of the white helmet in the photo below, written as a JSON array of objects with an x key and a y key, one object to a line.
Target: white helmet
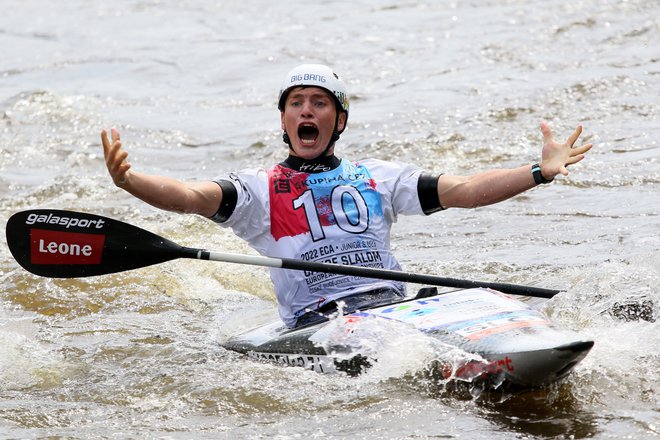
[{"x": 315, "y": 75}]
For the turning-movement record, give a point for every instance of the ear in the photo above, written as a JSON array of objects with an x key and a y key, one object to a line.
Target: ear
[
  {"x": 282, "y": 121},
  {"x": 341, "y": 122}
]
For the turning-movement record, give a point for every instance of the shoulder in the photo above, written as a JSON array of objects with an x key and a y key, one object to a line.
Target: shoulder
[
  {"x": 248, "y": 184},
  {"x": 389, "y": 169},
  {"x": 251, "y": 175}
]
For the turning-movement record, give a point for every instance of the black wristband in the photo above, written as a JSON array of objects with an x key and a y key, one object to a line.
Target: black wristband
[{"x": 538, "y": 177}]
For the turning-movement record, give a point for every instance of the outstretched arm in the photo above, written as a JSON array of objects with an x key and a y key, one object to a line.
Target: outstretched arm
[
  {"x": 494, "y": 186},
  {"x": 201, "y": 198}
]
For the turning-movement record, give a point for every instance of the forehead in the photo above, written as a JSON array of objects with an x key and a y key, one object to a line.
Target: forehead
[{"x": 308, "y": 92}]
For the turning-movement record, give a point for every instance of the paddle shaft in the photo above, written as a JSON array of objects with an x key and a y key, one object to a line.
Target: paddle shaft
[
  {"x": 366, "y": 272},
  {"x": 68, "y": 244}
]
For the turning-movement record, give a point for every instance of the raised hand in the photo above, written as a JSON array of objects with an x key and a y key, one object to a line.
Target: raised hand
[
  {"x": 555, "y": 156},
  {"x": 115, "y": 157}
]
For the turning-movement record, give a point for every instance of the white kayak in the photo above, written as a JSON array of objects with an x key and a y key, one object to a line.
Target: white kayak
[{"x": 511, "y": 341}]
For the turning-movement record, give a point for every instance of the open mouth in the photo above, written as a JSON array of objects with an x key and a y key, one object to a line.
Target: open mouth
[{"x": 307, "y": 133}]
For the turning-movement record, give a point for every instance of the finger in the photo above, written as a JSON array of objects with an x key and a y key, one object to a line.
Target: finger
[
  {"x": 574, "y": 137},
  {"x": 122, "y": 170},
  {"x": 115, "y": 156},
  {"x": 105, "y": 142},
  {"x": 115, "y": 134},
  {"x": 581, "y": 150},
  {"x": 575, "y": 159},
  {"x": 112, "y": 150},
  {"x": 547, "y": 133},
  {"x": 119, "y": 159}
]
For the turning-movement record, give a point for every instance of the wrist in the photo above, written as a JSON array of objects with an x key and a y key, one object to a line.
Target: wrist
[{"x": 539, "y": 178}]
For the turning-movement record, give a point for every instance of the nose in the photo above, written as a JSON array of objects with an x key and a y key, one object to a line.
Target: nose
[{"x": 306, "y": 109}]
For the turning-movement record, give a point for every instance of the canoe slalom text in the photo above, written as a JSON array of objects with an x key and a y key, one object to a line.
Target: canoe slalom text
[{"x": 358, "y": 252}]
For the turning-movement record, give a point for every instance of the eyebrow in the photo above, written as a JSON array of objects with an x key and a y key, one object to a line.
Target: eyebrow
[{"x": 299, "y": 94}]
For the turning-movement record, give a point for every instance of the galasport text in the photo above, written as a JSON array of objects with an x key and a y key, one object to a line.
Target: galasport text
[{"x": 67, "y": 222}]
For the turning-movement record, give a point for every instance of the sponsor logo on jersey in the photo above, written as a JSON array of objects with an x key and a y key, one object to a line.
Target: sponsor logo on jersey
[{"x": 281, "y": 186}]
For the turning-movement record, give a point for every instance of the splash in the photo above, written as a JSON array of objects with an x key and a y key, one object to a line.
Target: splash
[
  {"x": 394, "y": 350},
  {"x": 25, "y": 362}
]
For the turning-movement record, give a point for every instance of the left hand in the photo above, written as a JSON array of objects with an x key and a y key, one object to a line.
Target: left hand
[{"x": 555, "y": 157}]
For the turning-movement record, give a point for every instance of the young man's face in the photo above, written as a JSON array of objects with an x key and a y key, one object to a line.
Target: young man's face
[{"x": 309, "y": 120}]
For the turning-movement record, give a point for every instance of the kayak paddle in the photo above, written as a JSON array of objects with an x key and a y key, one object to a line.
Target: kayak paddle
[{"x": 67, "y": 244}]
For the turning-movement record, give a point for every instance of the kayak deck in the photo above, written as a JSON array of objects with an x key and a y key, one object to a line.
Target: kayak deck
[{"x": 511, "y": 342}]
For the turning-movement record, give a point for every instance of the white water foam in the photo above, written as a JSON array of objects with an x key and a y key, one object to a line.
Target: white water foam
[
  {"x": 25, "y": 362},
  {"x": 395, "y": 349}
]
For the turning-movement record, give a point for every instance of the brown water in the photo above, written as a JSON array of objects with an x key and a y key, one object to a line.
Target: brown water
[{"x": 453, "y": 87}]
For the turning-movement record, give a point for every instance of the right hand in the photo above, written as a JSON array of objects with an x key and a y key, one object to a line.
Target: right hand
[{"x": 115, "y": 158}]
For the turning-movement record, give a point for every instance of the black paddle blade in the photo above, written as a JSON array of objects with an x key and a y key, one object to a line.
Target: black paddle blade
[{"x": 67, "y": 244}]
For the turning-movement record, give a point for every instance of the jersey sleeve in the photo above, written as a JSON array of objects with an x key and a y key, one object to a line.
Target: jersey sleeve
[
  {"x": 249, "y": 218},
  {"x": 400, "y": 185}
]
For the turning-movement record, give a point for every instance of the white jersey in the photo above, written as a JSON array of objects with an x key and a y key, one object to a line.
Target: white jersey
[{"x": 342, "y": 216}]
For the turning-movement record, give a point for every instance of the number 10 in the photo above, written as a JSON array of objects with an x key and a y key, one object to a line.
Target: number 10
[{"x": 348, "y": 207}]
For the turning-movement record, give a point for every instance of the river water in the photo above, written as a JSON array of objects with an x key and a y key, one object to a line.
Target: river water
[{"x": 453, "y": 87}]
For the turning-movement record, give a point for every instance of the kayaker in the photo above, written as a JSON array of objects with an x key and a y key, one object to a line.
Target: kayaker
[{"x": 317, "y": 207}]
